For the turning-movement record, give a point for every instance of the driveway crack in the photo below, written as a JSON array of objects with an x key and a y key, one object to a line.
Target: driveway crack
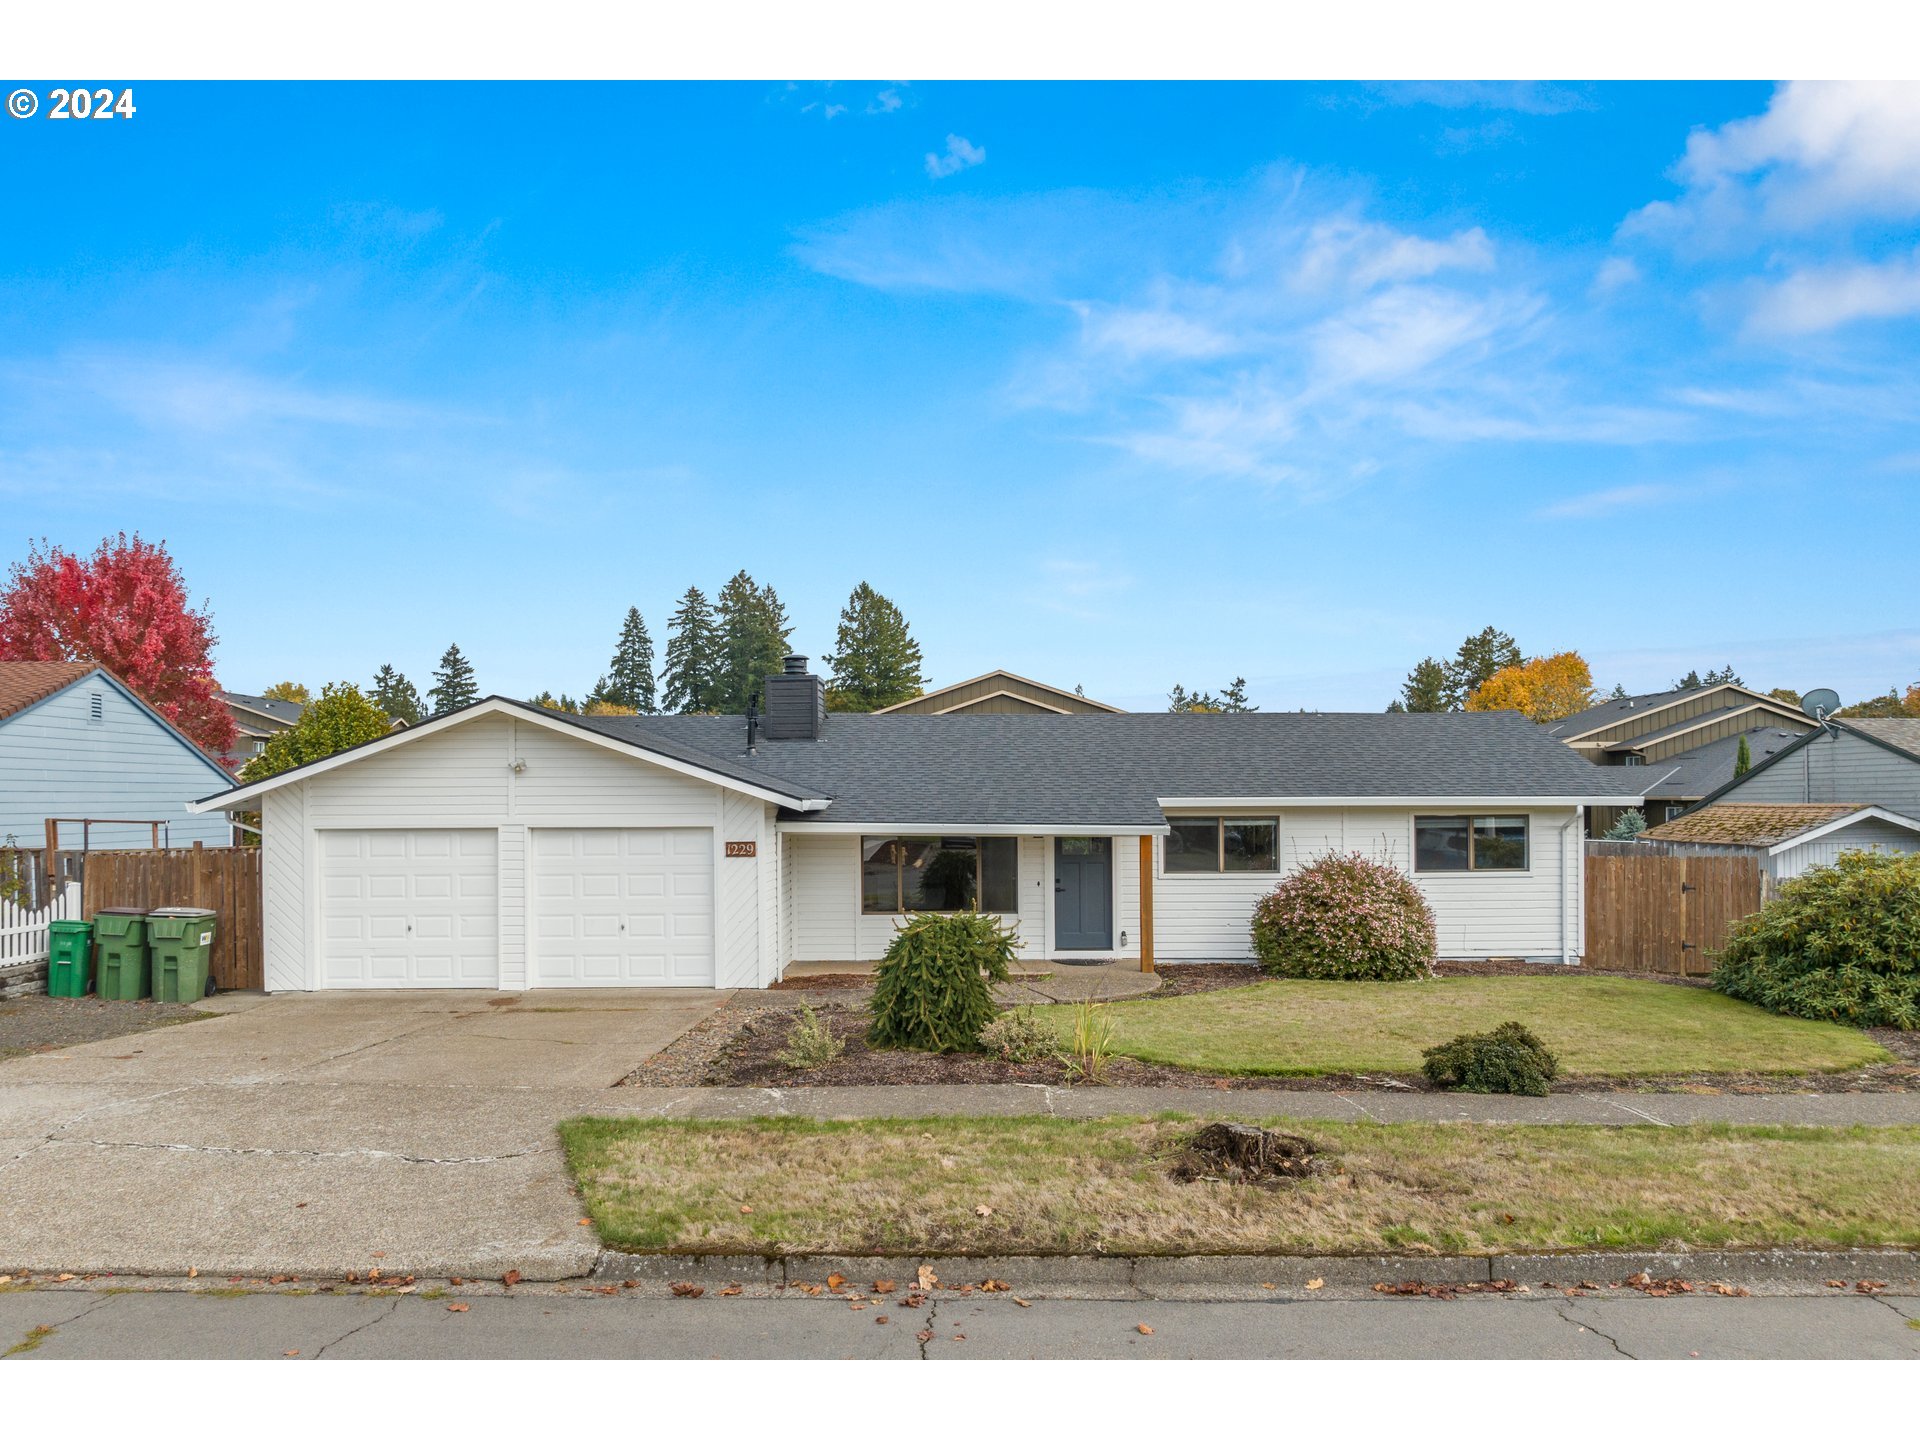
[
  {"x": 1565, "y": 1312},
  {"x": 363, "y": 1325},
  {"x": 933, "y": 1313}
]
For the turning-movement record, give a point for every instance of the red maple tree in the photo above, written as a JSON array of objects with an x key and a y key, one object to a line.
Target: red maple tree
[{"x": 124, "y": 609}]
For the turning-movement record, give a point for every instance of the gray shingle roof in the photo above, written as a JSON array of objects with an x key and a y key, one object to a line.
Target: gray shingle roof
[
  {"x": 1706, "y": 768},
  {"x": 1090, "y": 770},
  {"x": 1901, "y": 734}
]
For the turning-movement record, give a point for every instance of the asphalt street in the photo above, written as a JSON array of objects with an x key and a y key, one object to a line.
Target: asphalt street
[{"x": 92, "y": 1324}]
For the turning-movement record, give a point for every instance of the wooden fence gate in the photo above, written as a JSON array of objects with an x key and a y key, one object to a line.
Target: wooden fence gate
[
  {"x": 1666, "y": 907},
  {"x": 222, "y": 879}
]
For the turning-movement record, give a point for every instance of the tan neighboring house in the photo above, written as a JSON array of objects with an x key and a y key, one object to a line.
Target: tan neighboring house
[
  {"x": 1000, "y": 692},
  {"x": 1686, "y": 742}
]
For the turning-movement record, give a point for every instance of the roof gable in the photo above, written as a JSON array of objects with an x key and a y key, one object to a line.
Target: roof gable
[
  {"x": 25, "y": 683},
  {"x": 999, "y": 683},
  {"x": 1599, "y": 718}
]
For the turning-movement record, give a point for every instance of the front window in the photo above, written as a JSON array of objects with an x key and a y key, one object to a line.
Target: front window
[
  {"x": 1469, "y": 842},
  {"x": 1221, "y": 844},
  {"x": 901, "y": 874}
]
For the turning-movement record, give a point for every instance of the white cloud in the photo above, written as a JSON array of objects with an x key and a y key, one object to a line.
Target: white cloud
[
  {"x": 1823, "y": 151},
  {"x": 1616, "y": 272},
  {"x": 962, "y": 154},
  {"x": 1360, "y": 254},
  {"x": 885, "y": 103},
  {"x": 1158, "y": 332},
  {"x": 1815, "y": 300},
  {"x": 1403, "y": 331},
  {"x": 1608, "y": 502}
]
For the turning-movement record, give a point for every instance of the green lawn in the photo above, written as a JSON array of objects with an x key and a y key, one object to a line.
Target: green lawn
[
  {"x": 1055, "y": 1186},
  {"x": 1596, "y": 1025}
]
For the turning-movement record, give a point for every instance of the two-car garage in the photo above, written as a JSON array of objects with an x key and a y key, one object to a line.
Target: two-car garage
[{"x": 407, "y": 909}]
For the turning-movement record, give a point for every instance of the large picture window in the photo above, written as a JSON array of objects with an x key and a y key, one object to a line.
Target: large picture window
[
  {"x": 1469, "y": 842},
  {"x": 904, "y": 873},
  {"x": 1214, "y": 845}
]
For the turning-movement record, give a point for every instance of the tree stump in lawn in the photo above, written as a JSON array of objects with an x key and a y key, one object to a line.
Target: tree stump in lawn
[{"x": 1245, "y": 1155}]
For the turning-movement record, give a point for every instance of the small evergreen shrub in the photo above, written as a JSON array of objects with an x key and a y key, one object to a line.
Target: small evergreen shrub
[
  {"x": 1630, "y": 826},
  {"x": 1345, "y": 917},
  {"x": 811, "y": 1044},
  {"x": 933, "y": 989},
  {"x": 1019, "y": 1038},
  {"x": 1507, "y": 1060},
  {"x": 1841, "y": 942}
]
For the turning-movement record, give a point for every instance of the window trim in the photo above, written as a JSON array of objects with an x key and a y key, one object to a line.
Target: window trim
[
  {"x": 1220, "y": 822},
  {"x": 899, "y": 875},
  {"x": 1525, "y": 819}
]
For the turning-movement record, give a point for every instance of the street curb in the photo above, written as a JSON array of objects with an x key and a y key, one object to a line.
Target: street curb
[{"x": 1207, "y": 1276}]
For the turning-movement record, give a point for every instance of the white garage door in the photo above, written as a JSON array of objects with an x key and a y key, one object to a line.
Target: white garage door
[
  {"x": 622, "y": 907},
  {"x": 408, "y": 908}
]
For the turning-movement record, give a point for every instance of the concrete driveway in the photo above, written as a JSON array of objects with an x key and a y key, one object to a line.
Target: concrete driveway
[{"x": 317, "y": 1134}]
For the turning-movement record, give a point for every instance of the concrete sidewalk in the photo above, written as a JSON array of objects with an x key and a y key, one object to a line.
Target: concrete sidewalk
[{"x": 1388, "y": 1106}]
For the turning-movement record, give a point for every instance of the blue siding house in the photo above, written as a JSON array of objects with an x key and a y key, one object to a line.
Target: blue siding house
[{"x": 77, "y": 744}]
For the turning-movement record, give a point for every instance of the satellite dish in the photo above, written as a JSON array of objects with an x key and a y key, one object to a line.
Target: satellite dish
[{"x": 1819, "y": 703}]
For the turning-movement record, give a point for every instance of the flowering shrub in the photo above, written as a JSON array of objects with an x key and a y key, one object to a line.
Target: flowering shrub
[
  {"x": 1841, "y": 942},
  {"x": 1345, "y": 917}
]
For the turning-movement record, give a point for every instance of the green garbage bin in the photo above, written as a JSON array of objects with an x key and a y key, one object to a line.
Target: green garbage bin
[
  {"x": 181, "y": 941},
  {"x": 123, "y": 970},
  {"x": 69, "y": 951}
]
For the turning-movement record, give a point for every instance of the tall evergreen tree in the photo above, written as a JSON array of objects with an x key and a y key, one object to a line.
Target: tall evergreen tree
[
  {"x": 396, "y": 697},
  {"x": 453, "y": 683},
  {"x": 629, "y": 679},
  {"x": 1480, "y": 656},
  {"x": 1427, "y": 689},
  {"x": 1233, "y": 699},
  {"x": 875, "y": 661},
  {"x": 547, "y": 700},
  {"x": 1742, "y": 758},
  {"x": 1619, "y": 692},
  {"x": 692, "y": 675},
  {"x": 753, "y": 640}
]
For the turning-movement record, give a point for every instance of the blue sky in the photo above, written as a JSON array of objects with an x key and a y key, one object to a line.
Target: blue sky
[{"x": 1116, "y": 385}]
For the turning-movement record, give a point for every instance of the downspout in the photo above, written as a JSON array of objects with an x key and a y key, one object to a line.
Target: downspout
[{"x": 1566, "y": 884}]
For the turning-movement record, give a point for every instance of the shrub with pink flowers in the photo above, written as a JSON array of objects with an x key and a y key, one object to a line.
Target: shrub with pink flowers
[{"x": 1345, "y": 917}]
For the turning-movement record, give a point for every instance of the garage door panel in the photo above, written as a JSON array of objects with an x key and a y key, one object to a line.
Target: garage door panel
[
  {"x": 622, "y": 907},
  {"x": 403, "y": 908}
]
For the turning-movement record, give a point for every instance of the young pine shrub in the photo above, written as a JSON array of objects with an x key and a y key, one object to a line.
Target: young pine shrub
[
  {"x": 1841, "y": 942},
  {"x": 811, "y": 1044},
  {"x": 1507, "y": 1060},
  {"x": 1345, "y": 917},
  {"x": 1019, "y": 1038},
  {"x": 933, "y": 989}
]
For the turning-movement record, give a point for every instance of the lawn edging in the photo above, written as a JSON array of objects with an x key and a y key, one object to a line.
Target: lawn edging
[{"x": 1197, "y": 1277}]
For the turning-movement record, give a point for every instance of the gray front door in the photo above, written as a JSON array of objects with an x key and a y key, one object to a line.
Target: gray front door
[{"x": 1083, "y": 893}]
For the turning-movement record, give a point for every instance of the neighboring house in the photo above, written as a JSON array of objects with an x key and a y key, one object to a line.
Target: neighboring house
[
  {"x": 76, "y": 744},
  {"x": 1789, "y": 839},
  {"x": 1687, "y": 740},
  {"x": 258, "y": 719},
  {"x": 1864, "y": 762},
  {"x": 505, "y": 845},
  {"x": 1000, "y": 692}
]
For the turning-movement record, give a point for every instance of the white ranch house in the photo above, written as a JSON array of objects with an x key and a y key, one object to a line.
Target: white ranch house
[{"x": 512, "y": 847}]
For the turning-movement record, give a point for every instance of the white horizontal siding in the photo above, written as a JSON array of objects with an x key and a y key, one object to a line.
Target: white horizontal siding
[
  {"x": 1861, "y": 835},
  {"x": 1477, "y": 915},
  {"x": 57, "y": 762}
]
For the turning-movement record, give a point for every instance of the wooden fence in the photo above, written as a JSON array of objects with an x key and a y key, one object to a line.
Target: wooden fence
[
  {"x": 225, "y": 880},
  {"x": 1665, "y": 907}
]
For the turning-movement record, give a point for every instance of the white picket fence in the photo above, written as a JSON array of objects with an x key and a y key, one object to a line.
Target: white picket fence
[{"x": 23, "y": 932}]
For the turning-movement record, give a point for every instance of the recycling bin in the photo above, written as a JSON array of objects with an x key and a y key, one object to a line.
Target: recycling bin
[
  {"x": 69, "y": 956},
  {"x": 123, "y": 970},
  {"x": 180, "y": 939}
]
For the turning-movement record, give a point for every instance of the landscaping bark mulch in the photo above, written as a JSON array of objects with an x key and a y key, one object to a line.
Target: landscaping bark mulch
[{"x": 30, "y": 1024}]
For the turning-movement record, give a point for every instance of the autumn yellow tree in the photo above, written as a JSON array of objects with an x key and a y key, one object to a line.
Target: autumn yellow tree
[{"x": 1551, "y": 687}]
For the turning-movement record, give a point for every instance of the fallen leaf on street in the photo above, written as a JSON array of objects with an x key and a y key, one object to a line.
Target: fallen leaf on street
[
  {"x": 882, "y": 1319},
  {"x": 836, "y": 1280},
  {"x": 927, "y": 1278},
  {"x": 731, "y": 1290},
  {"x": 1720, "y": 1289},
  {"x": 459, "y": 1307},
  {"x": 1836, "y": 1284},
  {"x": 289, "y": 1354},
  {"x": 1023, "y": 1304},
  {"x": 994, "y": 1287},
  {"x": 64, "y": 1275},
  {"x": 583, "y": 1220},
  {"x": 1144, "y": 1329},
  {"x": 193, "y": 1272},
  {"x": 1317, "y": 1283},
  {"x": 510, "y": 1279},
  {"x": 687, "y": 1290},
  {"x": 1869, "y": 1287},
  {"x": 884, "y": 1287}
]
